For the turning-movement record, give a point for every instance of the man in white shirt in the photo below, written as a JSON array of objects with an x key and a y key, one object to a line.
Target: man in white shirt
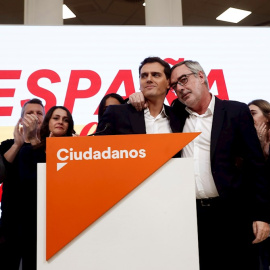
[
  {"x": 157, "y": 118},
  {"x": 231, "y": 187}
]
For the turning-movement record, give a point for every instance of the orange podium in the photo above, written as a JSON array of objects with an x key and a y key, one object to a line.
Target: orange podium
[{"x": 117, "y": 202}]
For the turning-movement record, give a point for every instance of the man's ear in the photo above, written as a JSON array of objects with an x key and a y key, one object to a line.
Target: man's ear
[
  {"x": 201, "y": 76},
  {"x": 169, "y": 83},
  {"x": 168, "y": 86}
]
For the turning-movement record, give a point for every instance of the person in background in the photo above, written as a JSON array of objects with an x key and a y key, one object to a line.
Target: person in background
[
  {"x": 232, "y": 203},
  {"x": 27, "y": 130},
  {"x": 58, "y": 122},
  {"x": 110, "y": 99},
  {"x": 260, "y": 111}
]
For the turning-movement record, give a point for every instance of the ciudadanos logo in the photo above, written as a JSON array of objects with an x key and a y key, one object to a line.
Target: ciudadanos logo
[
  {"x": 96, "y": 177},
  {"x": 65, "y": 155}
]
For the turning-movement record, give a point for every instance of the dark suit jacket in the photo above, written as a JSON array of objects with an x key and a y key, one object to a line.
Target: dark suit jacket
[
  {"x": 124, "y": 119},
  {"x": 237, "y": 161}
]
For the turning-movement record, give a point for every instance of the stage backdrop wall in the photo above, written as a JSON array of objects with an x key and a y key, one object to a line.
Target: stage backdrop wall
[{"x": 76, "y": 66}]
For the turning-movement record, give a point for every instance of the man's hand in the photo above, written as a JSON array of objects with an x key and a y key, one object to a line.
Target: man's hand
[
  {"x": 261, "y": 231},
  {"x": 30, "y": 128},
  {"x": 18, "y": 134},
  {"x": 18, "y": 142},
  {"x": 137, "y": 101}
]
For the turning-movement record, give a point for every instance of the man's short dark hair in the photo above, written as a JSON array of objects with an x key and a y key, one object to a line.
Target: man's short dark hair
[
  {"x": 167, "y": 68},
  {"x": 32, "y": 101}
]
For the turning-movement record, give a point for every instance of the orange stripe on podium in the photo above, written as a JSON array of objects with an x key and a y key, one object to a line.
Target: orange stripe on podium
[{"x": 86, "y": 176}]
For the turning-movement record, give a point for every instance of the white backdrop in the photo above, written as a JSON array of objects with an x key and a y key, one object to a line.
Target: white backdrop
[{"x": 107, "y": 54}]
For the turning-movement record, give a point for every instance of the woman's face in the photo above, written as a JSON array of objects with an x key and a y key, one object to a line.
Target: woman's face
[
  {"x": 257, "y": 115},
  {"x": 58, "y": 124}
]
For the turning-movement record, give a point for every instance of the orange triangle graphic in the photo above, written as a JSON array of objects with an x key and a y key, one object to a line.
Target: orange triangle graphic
[{"x": 99, "y": 172}]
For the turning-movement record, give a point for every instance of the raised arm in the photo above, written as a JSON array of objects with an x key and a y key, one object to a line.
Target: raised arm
[
  {"x": 18, "y": 142},
  {"x": 138, "y": 101},
  {"x": 30, "y": 129}
]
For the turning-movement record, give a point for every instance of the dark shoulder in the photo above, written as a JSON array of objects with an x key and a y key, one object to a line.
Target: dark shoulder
[
  {"x": 168, "y": 109},
  {"x": 113, "y": 116},
  {"x": 232, "y": 105},
  {"x": 179, "y": 109},
  {"x": 29, "y": 151},
  {"x": 120, "y": 109},
  {"x": 177, "y": 105}
]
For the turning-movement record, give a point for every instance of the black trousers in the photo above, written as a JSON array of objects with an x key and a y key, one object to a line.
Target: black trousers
[
  {"x": 16, "y": 246},
  {"x": 225, "y": 237},
  {"x": 10, "y": 253}
]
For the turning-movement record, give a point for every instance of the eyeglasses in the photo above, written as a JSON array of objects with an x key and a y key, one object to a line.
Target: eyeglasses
[{"x": 183, "y": 80}]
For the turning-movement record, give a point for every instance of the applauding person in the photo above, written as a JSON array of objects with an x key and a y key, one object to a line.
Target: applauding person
[
  {"x": 27, "y": 130},
  {"x": 58, "y": 122}
]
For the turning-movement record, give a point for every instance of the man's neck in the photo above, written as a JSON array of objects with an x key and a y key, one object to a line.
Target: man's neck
[
  {"x": 202, "y": 106},
  {"x": 155, "y": 107}
]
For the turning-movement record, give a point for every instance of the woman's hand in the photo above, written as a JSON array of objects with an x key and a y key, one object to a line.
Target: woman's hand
[
  {"x": 263, "y": 136},
  {"x": 261, "y": 132}
]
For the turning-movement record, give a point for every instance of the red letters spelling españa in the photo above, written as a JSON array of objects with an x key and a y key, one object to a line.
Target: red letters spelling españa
[{"x": 72, "y": 92}]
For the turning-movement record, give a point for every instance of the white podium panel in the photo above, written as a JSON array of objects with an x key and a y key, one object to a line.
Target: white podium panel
[{"x": 153, "y": 228}]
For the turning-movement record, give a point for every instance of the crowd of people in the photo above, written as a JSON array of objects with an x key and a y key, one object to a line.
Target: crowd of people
[{"x": 231, "y": 163}]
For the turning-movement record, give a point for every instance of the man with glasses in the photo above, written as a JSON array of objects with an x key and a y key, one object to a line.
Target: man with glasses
[
  {"x": 231, "y": 188},
  {"x": 157, "y": 118}
]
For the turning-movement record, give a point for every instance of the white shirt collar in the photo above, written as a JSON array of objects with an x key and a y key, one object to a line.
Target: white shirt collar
[{"x": 162, "y": 113}]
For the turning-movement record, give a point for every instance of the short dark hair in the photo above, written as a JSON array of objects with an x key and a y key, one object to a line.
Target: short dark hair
[
  {"x": 44, "y": 130},
  {"x": 155, "y": 59},
  {"x": 101, "y": 108},
  {"x": 32, "y": 101}
]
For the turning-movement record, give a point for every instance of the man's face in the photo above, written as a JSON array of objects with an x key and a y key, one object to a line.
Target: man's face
[
  {"x": 153, "y": 81},
  {"x": 37, "y": 110},
  {"x": 191, "y": 93}
]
